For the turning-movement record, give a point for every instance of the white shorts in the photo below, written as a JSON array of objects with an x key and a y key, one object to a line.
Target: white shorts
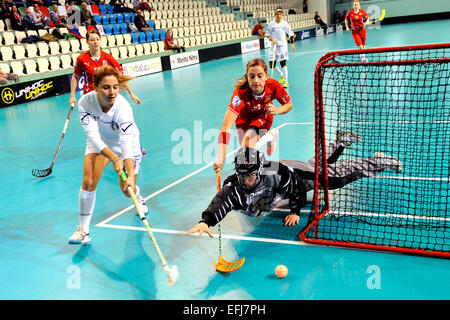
[
  {"x": 281, "y": 52},
  {"x": 137, "y": 157}
]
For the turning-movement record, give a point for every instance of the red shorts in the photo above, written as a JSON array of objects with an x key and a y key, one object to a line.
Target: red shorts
[
  {"x": 261, "y": 122},
  {"x": 359, "y": 36}
]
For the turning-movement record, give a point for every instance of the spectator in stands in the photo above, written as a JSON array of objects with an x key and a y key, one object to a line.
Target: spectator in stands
[
  {"x": 86, "y": 16},
  {"x": 305, "y": 6},
  {"x": 337, "y": 17},
  {"x": 58, "y": 21},
  {"x": 5, "y": 10},
  {"x": 39, "y": 18},
  {"x": 119, "y": 7},
  {"x": 258, "y": 30},
  {"x": 138, "y": 5},
  {"x": 140, "y": 23},
  {"x": 5, "y": 77},
  {"x": 170, "y": 45},
  {"x": 318, "y": 19},
  {"x": 16, "y": 19},
  {"x": 29, "y": 22}
]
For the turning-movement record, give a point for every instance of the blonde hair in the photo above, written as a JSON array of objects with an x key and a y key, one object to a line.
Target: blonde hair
[
  {"x": 243, "y": 82},
  {"x": 105, "y": 71}
]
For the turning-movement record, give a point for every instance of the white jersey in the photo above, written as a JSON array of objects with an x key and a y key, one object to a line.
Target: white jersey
[
  {"x": 279, "y": 31},
  {"x": 115, "y": 129}
]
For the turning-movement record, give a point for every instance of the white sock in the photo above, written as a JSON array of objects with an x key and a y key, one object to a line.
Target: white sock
[
  {"x": 86, "y": 201},
  {"x": 285, "y": 73},
  {"x": 279, "y": 70}
]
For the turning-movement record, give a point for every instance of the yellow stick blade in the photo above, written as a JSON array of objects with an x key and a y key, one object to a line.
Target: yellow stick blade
[
  {"x": 225, "y": 266},
  {"x": 383, "y": 13}
]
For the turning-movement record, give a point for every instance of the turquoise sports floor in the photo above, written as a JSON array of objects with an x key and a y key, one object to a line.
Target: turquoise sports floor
[{"x": 184, "y": 108}]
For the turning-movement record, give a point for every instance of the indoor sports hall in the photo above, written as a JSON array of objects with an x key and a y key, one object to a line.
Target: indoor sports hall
[{"x": 179, "y": 120}]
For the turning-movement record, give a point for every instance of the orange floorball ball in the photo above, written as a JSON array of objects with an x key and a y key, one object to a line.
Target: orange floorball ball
[{"x": 281, "y": 271}]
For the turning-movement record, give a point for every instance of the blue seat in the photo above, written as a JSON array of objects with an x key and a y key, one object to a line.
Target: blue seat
[
  {"x": 151, "y": 24},
  {"x": 105, "y": 19},
  {"x": 107, "y": 28},
  {"x": 112, "y": 18},
  {"x": 135, "y": 37},
  {"x": 102, "y": 8},
  {"x": 119, "y": 17},
  {"x": 110, "y": 8},
  {"x": 155, "y": 35},
  {"x": 142, "y": 38},
  {"x": 149, "y": 35},
  {"x": 126, "y": 17},
  {"x": 116, "y": 28},
  {"x": 123, "y": 28},
  {"x": 162, "y": 34},
  {"x": 98, "y": 19},
  {"x": 132, "y": 15}
]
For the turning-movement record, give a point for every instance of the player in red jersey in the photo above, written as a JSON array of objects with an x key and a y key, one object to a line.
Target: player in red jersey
[
  {"x": 252, "y": 110},
  {"x": 88, "y": 61},
  {"x": 359, "y": 19}
]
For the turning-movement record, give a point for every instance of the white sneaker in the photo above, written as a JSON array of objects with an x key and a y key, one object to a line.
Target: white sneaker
[
  {"x": 346, "y": 138},
  {"x": 272, "y": 145},
  {"x": 79, "y": 237},
  {"x": 391, "y": 162},
  {"x": 143, "y": 206}
]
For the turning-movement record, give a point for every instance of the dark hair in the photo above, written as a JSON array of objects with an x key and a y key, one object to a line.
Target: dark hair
[
  {"x": 92, "y": 31},
  {"x": 243, "y": 82}
]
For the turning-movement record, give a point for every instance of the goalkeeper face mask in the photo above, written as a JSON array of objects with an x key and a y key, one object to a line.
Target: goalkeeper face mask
[{"x": 248, "y": 165}]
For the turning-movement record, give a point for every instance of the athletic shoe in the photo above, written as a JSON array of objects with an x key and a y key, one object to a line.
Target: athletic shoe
[
  {"x": 272, "y": 145},
  {"x": 391, "y": 162},
  {"x": 143, "y": 206},
  {"x": 79, "y": 237},
  {"x": 285, "y": 84},
  {"x": 346, "y": 138},
  {"x": 144, "y": 152},
  {"x": 363, "y": 58},
  {"x": 281, "y": 79}
]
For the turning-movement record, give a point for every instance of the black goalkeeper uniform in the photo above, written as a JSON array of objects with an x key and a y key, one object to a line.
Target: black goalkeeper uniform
[{"x": 278, "y": 182}]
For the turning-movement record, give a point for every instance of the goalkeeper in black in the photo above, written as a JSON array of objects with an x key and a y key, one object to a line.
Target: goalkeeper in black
[{"x": 258, "y": 185}]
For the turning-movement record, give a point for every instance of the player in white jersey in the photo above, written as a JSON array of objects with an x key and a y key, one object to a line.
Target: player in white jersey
[
  {"x": 112, "y": 136},
  {"x": 277, "y": 30}
]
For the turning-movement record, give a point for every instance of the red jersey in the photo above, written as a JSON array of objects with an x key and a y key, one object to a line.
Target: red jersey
[
  {"x": 85, "y": 64},
  {"x": 357, "y": 19},
  {"x": 246, "y": 105}
]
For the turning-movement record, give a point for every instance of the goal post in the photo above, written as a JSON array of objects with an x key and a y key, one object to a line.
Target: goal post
[{"x": 398, "y": 101}]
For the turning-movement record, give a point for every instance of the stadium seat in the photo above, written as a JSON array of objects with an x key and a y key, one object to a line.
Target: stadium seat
[
  {"x": 155, "y": 35},
  {"x": 66, "y": 61},
  {"x": 19, "y": 36},
  {"x": 126, "y": 17},
  {"x": 5, "y": 67},
  {"x": 17, "y": 67},
  {"x": 123, "y": 28},
  {"x": 55, "y": 63},
  {"x": 115, "y": 53},
  {"x": 134, "y": 37},
  {"x": 110, "y": 8},
  {"x": 116, "y": 28},
  {"x": 75, "y": 45},
  {"x": 110, "y": 41},
  {"x": 43, "y": 49},
  {"x": 162, "y": 35},
  {"x": 105, "y": 19},
  {"x": 6, "y": 53},
  {"x": 123, "y": 52},
  {"x": 102, "y": 8},
  {"x": 95, "y": 9},
  {"x": 112, "y": 18},
  {"x": 119, "y": 17},
  {"x": 31, "y": 50},
  {"x": 154, "y": 47},
  {"x": 139, "y": 50},
  {"x": 97, "y": 18},
  {"x": 30, "y": 66},
  {"x": 19, "y": 52},
  {"x": 149, "y": 35},
  {"x": 147, "y": 48},
  {"x": 160, "y": 46},
  {"x": 131, "y": 51},
  {"x": 107, "y": 28},
  {"x": 54, "y": 47},
  {"x": 119, "y": 40},
  {"x": 43, "y": 64},
  {"x": 65, "y": 46},
  {"x": 142, "y": 37},
  {"x": 127, "y": 38}
]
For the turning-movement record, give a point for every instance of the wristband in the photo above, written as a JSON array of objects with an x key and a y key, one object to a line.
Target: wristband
[
  {"x": 118, "y": 158},
  {"x": 224, "y": 137}
]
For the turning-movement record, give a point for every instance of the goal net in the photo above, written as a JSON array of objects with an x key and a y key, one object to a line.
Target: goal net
[{"x": 398, "y": 101}]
